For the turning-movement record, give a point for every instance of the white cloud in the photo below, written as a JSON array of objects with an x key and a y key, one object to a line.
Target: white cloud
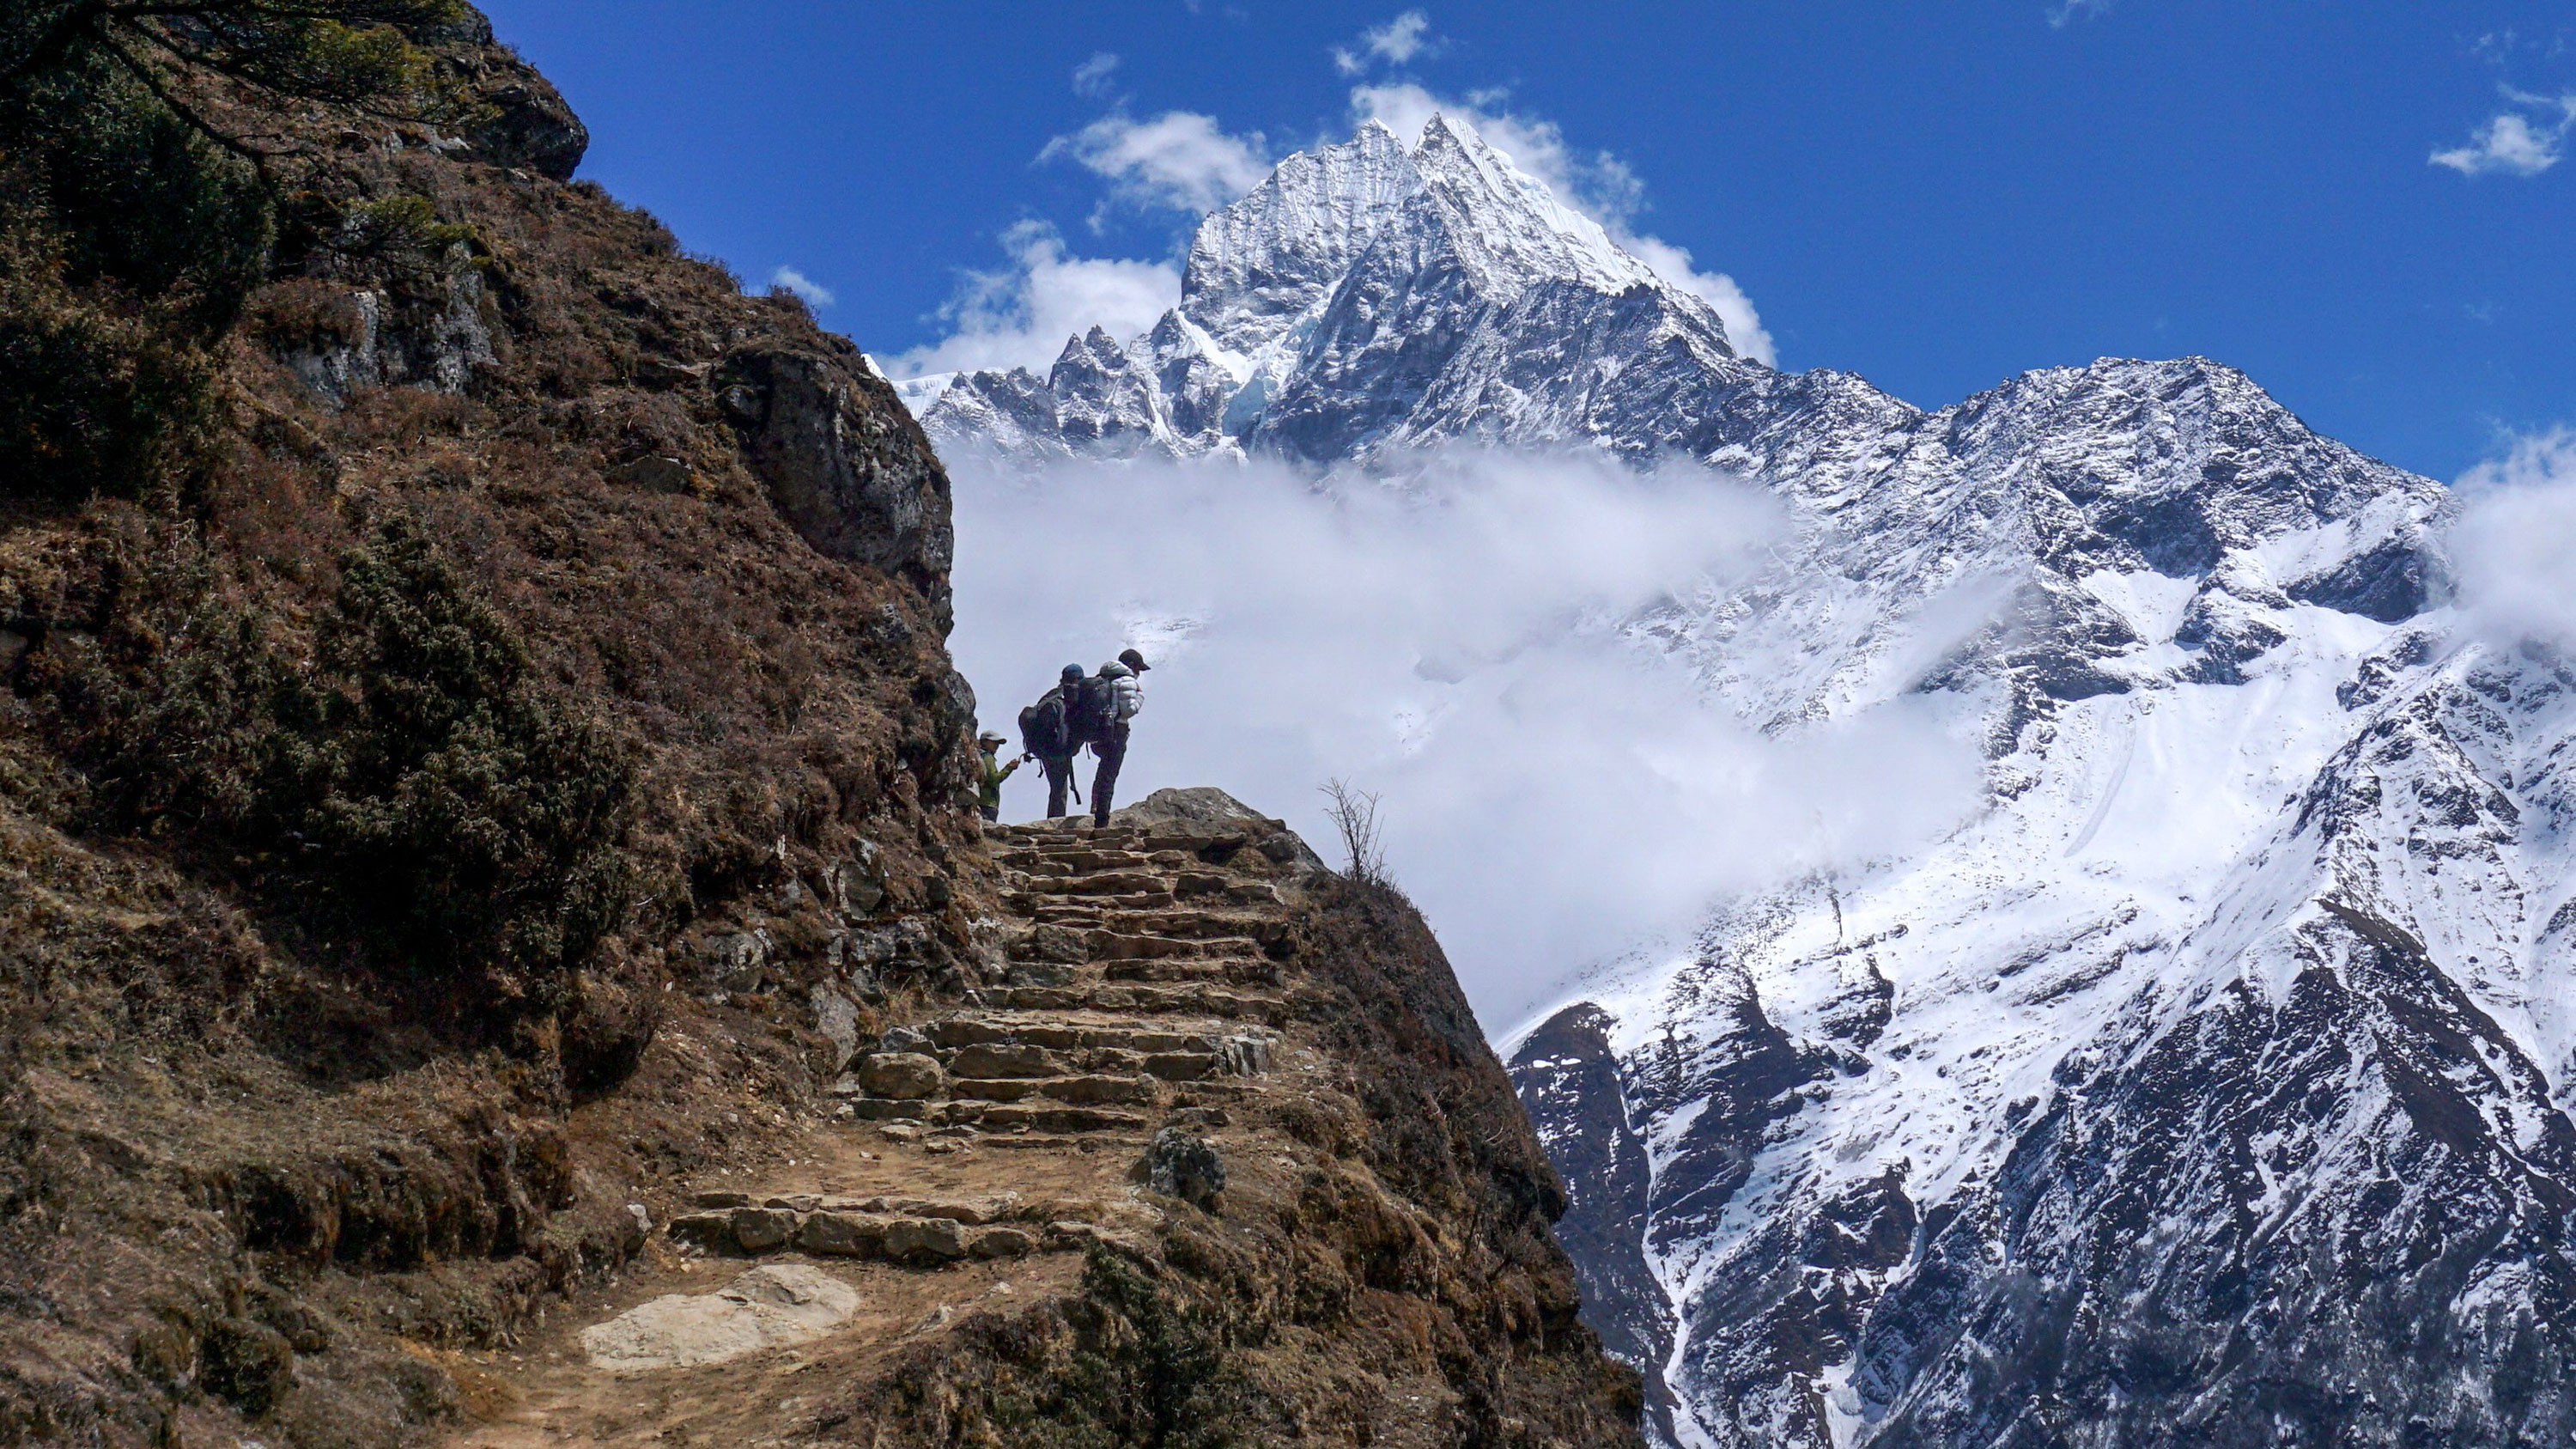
[
  {"x": 1179, "y": 159},
  {"x": 2066, "y": 12},
  {"x": 1552, "y": 790},
  {"x": 2521, "y": 142},
  {"x": 1600, "y": 185},
  {"x": 791, "y": 280},
  {"x": 2513, "y": 548},
  {"x": 1396, "y": 42},
  {"x": 1092, "y": 77},
  {"x": 1743, "y": 324},
  {"x": 1020, "y": 316}
]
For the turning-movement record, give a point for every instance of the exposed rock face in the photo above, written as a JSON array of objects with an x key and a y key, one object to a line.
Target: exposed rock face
[
  {"x": 2124, "y": 1113},
  {"x": 846, "y": 465},
  {"x": 525, "y": 121},
  {"x": 1567, "y": 1075},
  {"x": 772, "y": 1306},
  {"x": 441, "y": 351}
]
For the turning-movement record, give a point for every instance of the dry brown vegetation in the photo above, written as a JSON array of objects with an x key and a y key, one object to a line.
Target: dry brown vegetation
[{"x": 378, "y": 760}]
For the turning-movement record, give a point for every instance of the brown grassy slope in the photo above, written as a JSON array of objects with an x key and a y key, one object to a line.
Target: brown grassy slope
[{"x": 238, "y": 1134}]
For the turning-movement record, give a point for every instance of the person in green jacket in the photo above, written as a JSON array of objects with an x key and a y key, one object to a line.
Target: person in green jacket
[{"x": 995, "y": 772}]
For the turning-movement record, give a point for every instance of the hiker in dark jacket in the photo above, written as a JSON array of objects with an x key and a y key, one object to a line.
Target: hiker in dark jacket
[
  {"x": 989, "y": 798},
  {"x": 1047, "y": 733},
  {"x": 1114, "y": 696}
]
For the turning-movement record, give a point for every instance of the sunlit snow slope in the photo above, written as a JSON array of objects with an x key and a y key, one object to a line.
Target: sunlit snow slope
[{"x": 2206, "y": 1087}]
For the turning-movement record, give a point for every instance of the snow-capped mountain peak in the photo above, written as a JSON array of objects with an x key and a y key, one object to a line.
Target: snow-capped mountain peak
[
  {"x": 1366, "y": 262},
  {"x": 1508, "y": 225},
  {"x": 1258, "y": 265}
]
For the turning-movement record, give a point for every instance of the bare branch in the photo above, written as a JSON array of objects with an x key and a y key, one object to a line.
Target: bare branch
[
  {"x": 152, "y": 81},
  {"x": 1354, "y": 816}
]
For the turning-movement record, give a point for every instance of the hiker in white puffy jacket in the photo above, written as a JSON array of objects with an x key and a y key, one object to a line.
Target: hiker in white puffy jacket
[{"x": 1125, "y": 677}]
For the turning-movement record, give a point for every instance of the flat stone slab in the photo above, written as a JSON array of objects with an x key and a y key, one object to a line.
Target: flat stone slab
[{"x": 769, "y": 1307}]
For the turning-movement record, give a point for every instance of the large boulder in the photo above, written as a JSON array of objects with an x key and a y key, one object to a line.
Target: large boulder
[
  {"x": 901, "y": 1076},
  {"x": 1206, "y": 810},
  {"x": 845, "y": 464},
  {"x": 522, "y": 120},
  {"x": 1184, "y": 1165},
  {"x": 772, "y": 1305}
]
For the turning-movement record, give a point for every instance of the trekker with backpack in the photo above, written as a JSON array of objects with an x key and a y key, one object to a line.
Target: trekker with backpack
[
  {"x": 1108, "y": 701},
  {"x": 1047, "y": 732}
]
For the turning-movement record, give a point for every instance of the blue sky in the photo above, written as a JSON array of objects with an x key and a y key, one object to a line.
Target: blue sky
[{"x": 1935, "y": 197}]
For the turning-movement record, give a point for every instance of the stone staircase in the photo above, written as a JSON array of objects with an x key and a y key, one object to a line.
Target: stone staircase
[
  {"x": 1159, "y": 1075},
  {"x": 1093, "y": 1086},
  {"x": 1143, "y": 990}
]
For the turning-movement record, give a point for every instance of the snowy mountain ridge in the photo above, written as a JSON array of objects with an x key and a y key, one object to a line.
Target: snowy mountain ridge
[{"x": 2209, "y": 1084}]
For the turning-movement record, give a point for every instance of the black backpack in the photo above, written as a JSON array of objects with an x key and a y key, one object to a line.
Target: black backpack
[
  {"x": 1043, "y": 728},
  {"x": 1088, "y": 721}
]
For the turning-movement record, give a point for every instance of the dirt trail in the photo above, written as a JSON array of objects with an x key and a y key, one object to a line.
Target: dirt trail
[{"x": 970, "y": 1163}]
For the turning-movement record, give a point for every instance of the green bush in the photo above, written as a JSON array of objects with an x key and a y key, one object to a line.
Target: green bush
[
  {"x": 1152, "y": 1373},
  {"x": 93, "y": 398},
  {"x": 412, "y": 784},
  {"x": 474, "y": 813}
]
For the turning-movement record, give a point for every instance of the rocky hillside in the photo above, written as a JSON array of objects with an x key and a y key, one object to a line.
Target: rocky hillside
[
  {"x": 2209, "y": 1081},
  {"x": 479, "y": 756},
  {"x": 1216, "y": 1156}
]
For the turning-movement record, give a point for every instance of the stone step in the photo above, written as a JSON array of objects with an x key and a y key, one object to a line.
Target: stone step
[
  {"x": 1233, "y": 971},
  {"x": 1090, "y": 859},
  {"x": 1022, "y": 869},
  {"x": 1111, "y": 883},
  {"x": 1048, "y": 869},
  {"x": 1217, "y": 845},
  {"x": 1150, "y": 922},
  {"x": 1141, "y": 1000},
  {"x": 848, "y": 1229},
  {"x": 1097, "y": 837},
  {"x": 1203, "y": 924},
  {"x": 1028, "y": 903},
  {"x": 1054, "y": 1034},
  {"x": 1057, "y": 1120},
  {"x": 1080, "y": 1091},
  {"x": 1117, "y": 946}
]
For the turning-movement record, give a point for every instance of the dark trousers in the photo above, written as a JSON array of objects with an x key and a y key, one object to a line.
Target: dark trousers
[
  {"x": 1104, "y": 782},
  {"x": 1059, "y": 774}
]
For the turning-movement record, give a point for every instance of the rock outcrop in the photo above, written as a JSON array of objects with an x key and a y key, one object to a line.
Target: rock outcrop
[{"x": 844, "y": 462}]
